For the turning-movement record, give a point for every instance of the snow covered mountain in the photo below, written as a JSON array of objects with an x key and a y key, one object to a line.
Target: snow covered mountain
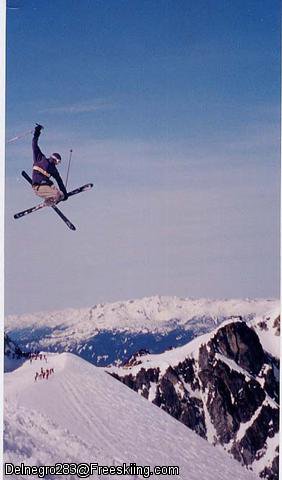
[
  {"x": 111, "y": 333},
  {"x": 79, "y": 413},
  {"x": 223, "y": 385}
]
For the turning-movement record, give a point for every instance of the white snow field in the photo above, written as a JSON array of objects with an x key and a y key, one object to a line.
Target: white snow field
[
  {"x": 266, "y": 327},
  {"x": 82, "y": 414}
]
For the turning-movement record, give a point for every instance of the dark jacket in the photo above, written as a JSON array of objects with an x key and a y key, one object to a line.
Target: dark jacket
[{"x": 39, "y": 160}]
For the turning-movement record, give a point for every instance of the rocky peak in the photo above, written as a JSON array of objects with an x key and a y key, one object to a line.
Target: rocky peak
[
  {"x": 11, "y": 349},
  {"x": 224, "y": 387},
  {"x": 13, "y": 355},
  {"x": 241, "y": 344}
]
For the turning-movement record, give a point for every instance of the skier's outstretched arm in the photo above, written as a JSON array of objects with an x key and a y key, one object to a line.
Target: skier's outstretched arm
[{"x": 35, "y": 148}]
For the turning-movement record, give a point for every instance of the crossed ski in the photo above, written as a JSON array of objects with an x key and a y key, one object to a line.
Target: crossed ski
[{"x": 55, "y": 208}]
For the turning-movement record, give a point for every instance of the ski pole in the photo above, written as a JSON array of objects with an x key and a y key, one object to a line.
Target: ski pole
[
  {"x": 68, "y": 168},
  {"x": 21, "y": 135}
]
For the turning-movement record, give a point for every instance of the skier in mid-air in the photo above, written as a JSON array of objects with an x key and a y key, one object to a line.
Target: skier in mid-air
[{"x": 43, "y": 169}]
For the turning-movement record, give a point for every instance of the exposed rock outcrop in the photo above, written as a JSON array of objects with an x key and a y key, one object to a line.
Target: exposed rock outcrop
[{"x": 224, "y": 387}]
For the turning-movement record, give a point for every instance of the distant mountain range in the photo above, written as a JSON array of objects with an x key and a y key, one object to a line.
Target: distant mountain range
[{"x": 111, "y": 333}]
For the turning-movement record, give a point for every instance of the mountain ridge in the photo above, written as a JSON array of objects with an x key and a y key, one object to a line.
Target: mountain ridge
[{"x": 223, "y": 385}]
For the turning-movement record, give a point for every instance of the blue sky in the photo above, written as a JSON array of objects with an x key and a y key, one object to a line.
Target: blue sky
[{"x": 172, "y": 109}]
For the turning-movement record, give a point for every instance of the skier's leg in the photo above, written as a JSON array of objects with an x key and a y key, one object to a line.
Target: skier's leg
[{"x": 50, "y": 194}]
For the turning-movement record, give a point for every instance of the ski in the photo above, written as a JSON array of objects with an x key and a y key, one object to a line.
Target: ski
[
  {"x": 41, "y": 205},
  {"x": 29, "y": 210},
  {"x": 84, "y": 188},
  {"x": 63, "y": 217}
]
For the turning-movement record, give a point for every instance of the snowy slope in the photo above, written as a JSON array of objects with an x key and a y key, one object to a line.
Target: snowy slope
[
  {"x": 82, "y": 414},
  {"x": 105, "y": 334},
  {"x": 267, "y": 328}
]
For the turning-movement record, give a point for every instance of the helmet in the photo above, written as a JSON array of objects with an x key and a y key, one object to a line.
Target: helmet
[{"x": 56, "y": 157}]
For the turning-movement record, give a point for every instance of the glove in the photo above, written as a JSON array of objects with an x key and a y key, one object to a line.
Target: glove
[
  {"x": 38, "y": 129},
  {"x": 64, "y": 198}
]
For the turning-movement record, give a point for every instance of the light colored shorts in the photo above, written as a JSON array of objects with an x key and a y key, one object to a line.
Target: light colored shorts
[{"x": 50, "y": 194}]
